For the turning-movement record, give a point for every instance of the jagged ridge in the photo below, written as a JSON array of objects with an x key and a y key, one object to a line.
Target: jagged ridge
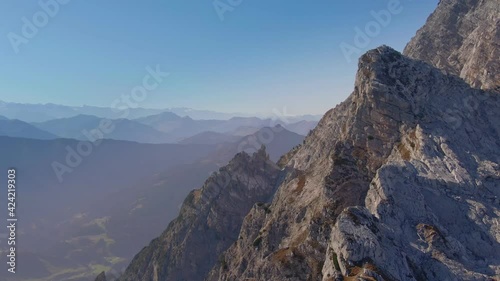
[
  {"x": 208, "y": 223},
  {"x": 463, "y": 38}
]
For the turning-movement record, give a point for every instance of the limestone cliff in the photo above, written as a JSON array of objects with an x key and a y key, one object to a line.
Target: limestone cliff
[
  {"x": 463, "y": 38},
  {"x": 399, "y": 182}
]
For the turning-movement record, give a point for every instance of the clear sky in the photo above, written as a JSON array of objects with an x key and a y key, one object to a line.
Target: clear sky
[{"x": 263, "y": 55}]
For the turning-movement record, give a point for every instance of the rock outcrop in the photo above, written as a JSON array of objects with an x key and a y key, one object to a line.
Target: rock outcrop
[
  {"x": 463, "y": 38},
  {"x": 208, "y": 223}
]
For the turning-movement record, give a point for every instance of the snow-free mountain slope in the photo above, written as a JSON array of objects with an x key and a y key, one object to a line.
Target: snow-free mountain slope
[
  {"x": 463, "y": 38},
  {"x": 417, "y": 170}
]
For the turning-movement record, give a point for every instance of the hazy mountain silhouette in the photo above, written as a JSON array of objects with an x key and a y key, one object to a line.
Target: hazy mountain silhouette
[
  {"x": 51, "y": 209},
  {"x": 184, "y": 127},
  {"x": 302, "y": 127},
  {"x": 210, "y": 138},
  {"x": 49, "y": 111},
  {"x": 277, "y": 140},
  {"x": 243, "y": 131},
  {"x": 81, "y": 126},
  {"x": 174, "y": 125},
  {"x": 17, "y": 128}
]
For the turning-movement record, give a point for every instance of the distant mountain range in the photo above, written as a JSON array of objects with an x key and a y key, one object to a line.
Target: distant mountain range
[
  {"x": 277, "y": 141},
  {"x": 83, "y": 127},
  {"x": 210, "y": 138},
  {"x": 17, "y": 128},
  {"x": 186, "y": 127},
  {"x": 49, "y": 111},
  {"x": 151, "y": 126},
  {"x": 49, "y": 205},
  {"x": 165, "y": 127}
]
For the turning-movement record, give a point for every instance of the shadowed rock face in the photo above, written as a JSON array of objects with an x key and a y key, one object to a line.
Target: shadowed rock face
[
  {"x": 463, "y": 38},
  {"x": 101, "y": 277},
  {"x": 399, "y": 182},
  {"x": 209, "y": 222}
]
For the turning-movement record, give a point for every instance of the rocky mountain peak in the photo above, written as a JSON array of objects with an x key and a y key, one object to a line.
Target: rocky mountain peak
[
  {"x": 387, "y": 187},
  {"x": 462, "y": 38},
  {"x": 209, "y": 221}
]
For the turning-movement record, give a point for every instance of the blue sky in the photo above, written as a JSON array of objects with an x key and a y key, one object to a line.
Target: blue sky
[{"x": 263, "y": 55}]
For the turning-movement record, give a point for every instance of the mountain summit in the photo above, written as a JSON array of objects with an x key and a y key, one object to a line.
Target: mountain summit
[{"x": 399, "y": 182}]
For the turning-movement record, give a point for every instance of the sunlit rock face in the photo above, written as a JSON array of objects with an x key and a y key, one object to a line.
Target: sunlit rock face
[
  {"x": 463, "y": 38},
  {"x": 399, "y": 182}
]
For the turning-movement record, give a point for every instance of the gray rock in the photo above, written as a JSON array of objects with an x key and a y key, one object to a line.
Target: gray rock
[
  {"x": 396, "y": 183},
  {"x": 463, "y": 38}
]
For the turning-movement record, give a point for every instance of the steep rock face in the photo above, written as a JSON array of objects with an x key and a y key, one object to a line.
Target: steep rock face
[
  {"x": 399, "y": 182},
  {"x": 463, "y": 38},
  {"x": 333, "y": 169},
  {"x": 209, "y": 222}
]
